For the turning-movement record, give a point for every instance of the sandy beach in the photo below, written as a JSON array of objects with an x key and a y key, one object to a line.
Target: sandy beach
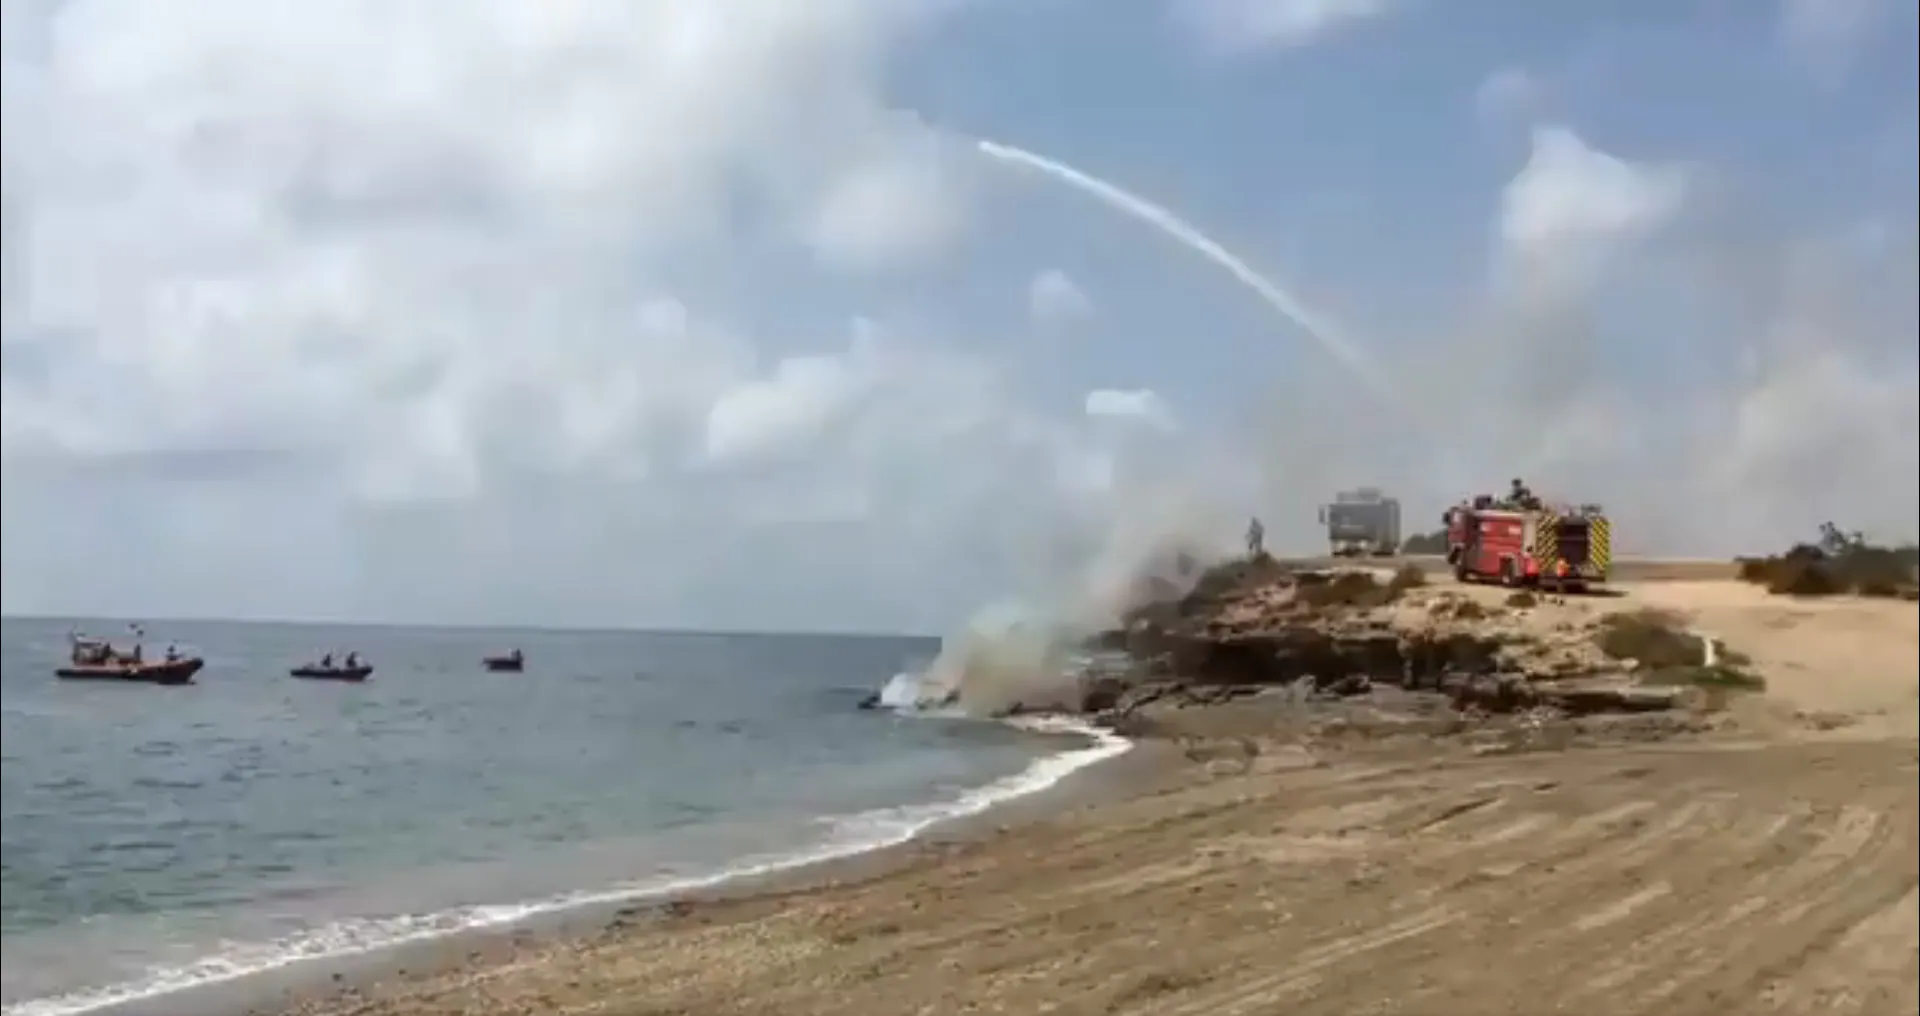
[{"x": 1262, "y": 856}]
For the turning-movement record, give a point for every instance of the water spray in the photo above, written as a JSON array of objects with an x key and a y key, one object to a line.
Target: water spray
[
  {"x": 1013, "y": 655},
  {"x": 1323, "y": 334}
]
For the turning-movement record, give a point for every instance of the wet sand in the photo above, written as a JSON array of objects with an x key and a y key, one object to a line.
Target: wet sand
[{"x": 1767, "y": 865}]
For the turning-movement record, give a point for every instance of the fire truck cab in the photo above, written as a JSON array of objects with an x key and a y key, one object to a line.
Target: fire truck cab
[{"x": 1529, "y": 544}]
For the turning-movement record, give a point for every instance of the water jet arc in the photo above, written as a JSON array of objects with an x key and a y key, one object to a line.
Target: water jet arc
[{"x": 1322, "y": 334}]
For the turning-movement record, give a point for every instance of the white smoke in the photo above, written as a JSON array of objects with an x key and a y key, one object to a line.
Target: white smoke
[
  {"x": 1023, "y": 651},
  {"x": 1027, "y": 651}
]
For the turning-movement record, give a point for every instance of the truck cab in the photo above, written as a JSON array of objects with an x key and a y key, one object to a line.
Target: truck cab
[{"x": 1362, "y": 522}]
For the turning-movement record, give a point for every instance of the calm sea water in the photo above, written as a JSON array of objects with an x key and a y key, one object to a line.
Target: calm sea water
[{"x": 159, "y": 837}]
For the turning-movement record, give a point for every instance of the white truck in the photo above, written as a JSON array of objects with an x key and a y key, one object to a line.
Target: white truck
[{"x": 1362, "y": 522}]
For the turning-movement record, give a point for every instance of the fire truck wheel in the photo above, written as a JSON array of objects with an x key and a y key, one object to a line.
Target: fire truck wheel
[{"x": 1509, "y": 573}]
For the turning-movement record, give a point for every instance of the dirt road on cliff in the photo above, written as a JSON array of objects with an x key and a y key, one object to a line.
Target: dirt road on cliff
[{"x": 1623, "y": 569}]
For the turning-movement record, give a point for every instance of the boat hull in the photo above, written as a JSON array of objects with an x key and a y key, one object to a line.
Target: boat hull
[
  {"x": 165, "y": 672},
  {"x": 351, "y": 675},
  {"x": 504, "y": 665}
]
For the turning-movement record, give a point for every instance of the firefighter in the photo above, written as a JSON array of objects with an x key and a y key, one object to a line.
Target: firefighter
[{"x": 1522, "y": 497}]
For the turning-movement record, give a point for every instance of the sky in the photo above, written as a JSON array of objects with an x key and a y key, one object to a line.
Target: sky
[{"x": 713, "y": 314}]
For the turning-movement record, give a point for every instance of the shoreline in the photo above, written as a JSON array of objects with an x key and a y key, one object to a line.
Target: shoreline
[
  {"x": 1308, "y": 853},
  {"x": 980, "y": 810},
  {"x": 1398, "y": 875},
  {"x": 1383, "y": 850}
]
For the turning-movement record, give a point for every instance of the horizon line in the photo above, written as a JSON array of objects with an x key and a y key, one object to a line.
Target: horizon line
[{"x": 472, "y": 626}]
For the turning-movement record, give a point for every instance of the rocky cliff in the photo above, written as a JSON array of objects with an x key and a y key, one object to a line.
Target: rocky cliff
[{"x": 1254, "y": 625}]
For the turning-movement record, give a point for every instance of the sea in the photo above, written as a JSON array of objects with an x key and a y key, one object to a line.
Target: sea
[{"x": 155, "y": 838}]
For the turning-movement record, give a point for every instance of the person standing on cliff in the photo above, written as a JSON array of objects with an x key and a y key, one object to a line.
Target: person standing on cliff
[{"x": 1256, "y": 538}]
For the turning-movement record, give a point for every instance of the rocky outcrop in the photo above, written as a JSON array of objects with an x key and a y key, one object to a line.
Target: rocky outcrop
[{"x": 1346, "y": 634}]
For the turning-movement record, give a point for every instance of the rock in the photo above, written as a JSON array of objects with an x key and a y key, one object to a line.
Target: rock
[
  {"x": 1345, "y": 686},
  {"x": 1329, "y": 656},
  {"x": 1587, "y": 699},
  {"x": 1502, "y": 693},
  {"x": 871, "y": 701},
  {"x": 1102, "y": 693},
  {"x": 1253, "y": 626}
]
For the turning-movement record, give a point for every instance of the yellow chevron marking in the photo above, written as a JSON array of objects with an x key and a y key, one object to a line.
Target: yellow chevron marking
[
  {"x": 1600, "y": 544},
  {"x": 1546, "y": 540}
]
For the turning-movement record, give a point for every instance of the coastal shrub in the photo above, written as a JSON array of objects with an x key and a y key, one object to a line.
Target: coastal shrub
[
  {"x": 1840, "y": 562},
  {"x": 1407, "y": 577},
  {"x": 1344, "y": 589},
  {"x": 1425, "y": 543},
  {"x": 1803, "y": 577},
  {"x": 1734, "y": 657},
  {"x": 1229, "y": 577},
  {"x": 1184, "y": 588},
  {"x": 1722, "y": 676},
  {"x": 1656, "y": 639},
  {"x": 1522, "y": 599},
  {"x": 1669, "y": 654},
  {"x": 1359, "y": 589}
]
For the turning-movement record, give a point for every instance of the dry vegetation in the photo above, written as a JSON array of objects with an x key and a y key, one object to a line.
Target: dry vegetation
[
  {"x": 1667, "y": 653},
  {"x": 1425, "y": 543},
  {"x": 1839, "y": 563},
  {"x": 1366, "y": 810},
  {"x": 1357, "y": 588}
]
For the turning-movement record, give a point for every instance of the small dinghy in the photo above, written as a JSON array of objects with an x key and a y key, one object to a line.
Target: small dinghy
[{"x": 315, "y": 672}]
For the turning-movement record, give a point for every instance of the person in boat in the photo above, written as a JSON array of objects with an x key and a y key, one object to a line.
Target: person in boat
[
  {"x": 173, "y": 653},
  {"x": 352, "y": 661},
  {"x": 326, "y": 662},
  {"x": 134, "y": 657}
]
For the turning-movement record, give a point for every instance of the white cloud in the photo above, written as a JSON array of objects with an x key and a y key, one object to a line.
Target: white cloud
[
  {"x": 1137, "y": 405},
  {"x": 1828, "y": 33},
  {"x": 1507, "y": 95},
  {"x": 228, "y": 232},
  {"x": 1571, "y": 206},
  {"x": 567, "y": 286},
  {"x": 465, "y": 269},
  {"x": 900, "y": 205},
  {"x": 1238, "y": 26},
  {"x": 1726, "y": 401},
  {"x": 1054, "y": 300},
  {"x": 783, "y": 412}
]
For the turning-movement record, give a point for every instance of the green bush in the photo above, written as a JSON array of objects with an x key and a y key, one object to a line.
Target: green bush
[
  {"x": 1407, "y": 577},
  {"x": 1840, "y": 562},
  {"x": 1718, "y": 676},
  {"x": 1656, "y": 639},
  {"x": 1344, "y": 589},
  {"x": 1425, "y": 543},
  {"x": 1670, "y": 654}
]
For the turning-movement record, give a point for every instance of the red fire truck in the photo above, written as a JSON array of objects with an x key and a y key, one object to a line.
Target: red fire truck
[{"x": 1528, "y": 543}]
